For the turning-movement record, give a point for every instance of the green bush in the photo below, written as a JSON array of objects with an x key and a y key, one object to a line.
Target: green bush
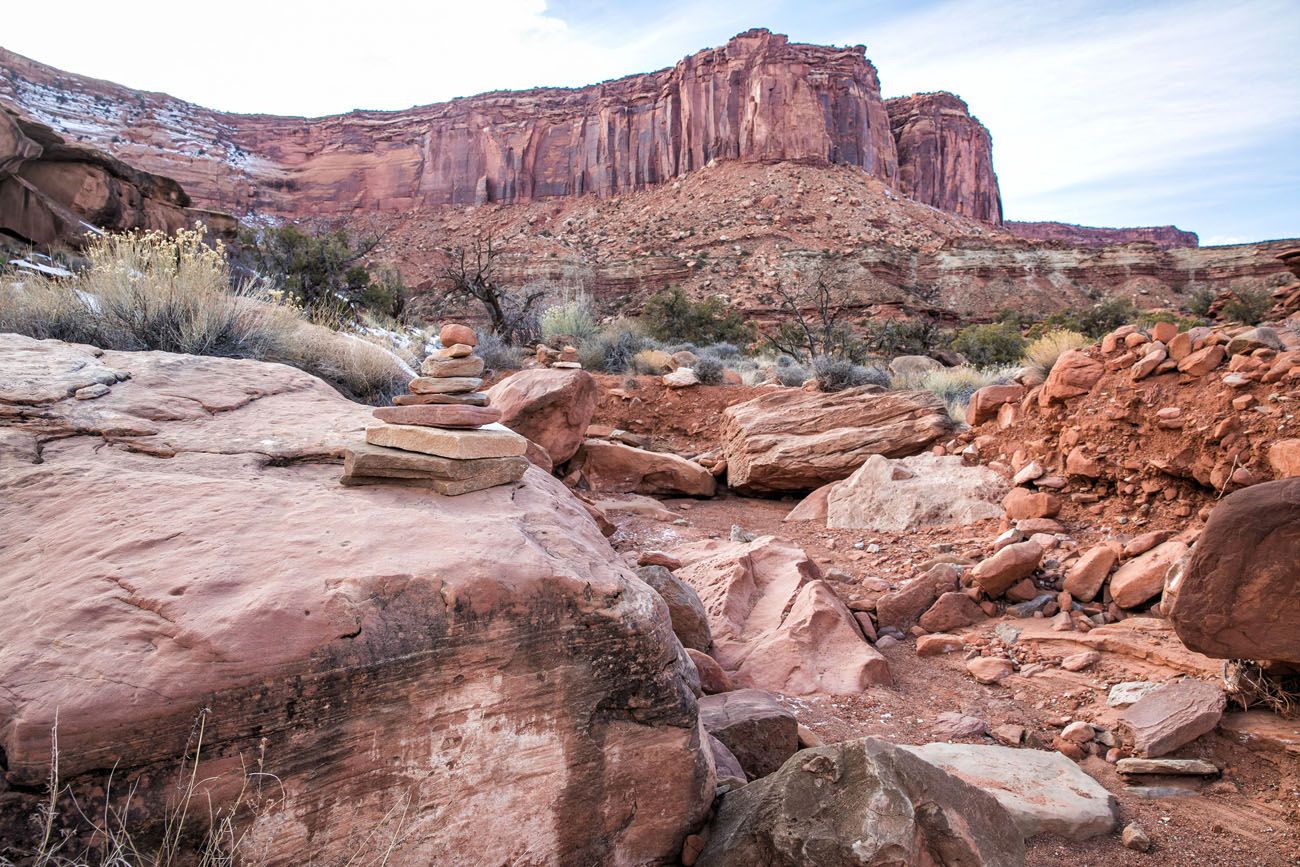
[
  {"x": 1248, "y": 306},
  {"x": 671, "y": 316},
  {"x": 1201, "y": 300},
  {"x": 990, "y": 345},
  {"x": 1096, "y": 321}
]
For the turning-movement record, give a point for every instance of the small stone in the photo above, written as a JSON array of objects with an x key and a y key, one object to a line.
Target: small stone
[
  {"x": 471, "y": 443},
  {"x": 439, "y": 415},
  {"x": 1078, "y": 732},
  {"x": 474, "y": 398},
  {"x": 989, "y": 669},
  {"x": 937, "y": 643},
  {"x": 951, "y": 725},
  {"x": 452, "y": 333},
  {"x": 441, "y": 368},
  {"x": 658, "y": 558},
  {"x": 1080, "y": 661},
  {"x": 1135, "y": 838},
  {"x": 1010, "y": 734},
  {"x": 1126, "y": 693},
  {"x": 1180, "y": 767},
  {"x": 444, "y": 385},
  {"x": 682, "y": 377},
  {"x": 456, "y": 350},
  {"x": 713, "y": 679}
]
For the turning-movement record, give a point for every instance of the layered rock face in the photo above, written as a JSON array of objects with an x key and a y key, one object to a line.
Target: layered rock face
[
  {"x": 945, "y": 156},
  {"x": 55, "y": 191},
  {"x": 759, "y": 98},
  {"x": 1164, "y": 237},
  {"x": 481, "y": 670}
]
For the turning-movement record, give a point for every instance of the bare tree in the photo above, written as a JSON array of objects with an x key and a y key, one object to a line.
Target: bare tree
[
  {"x": 815, "y": 301},
  {"x": 470, "y": 271}
]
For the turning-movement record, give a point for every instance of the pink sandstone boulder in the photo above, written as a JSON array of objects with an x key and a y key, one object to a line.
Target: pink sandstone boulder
[
  {"x": 775, "y": 624},
  {"x": 550, "y": 407},
  {"x": 813, "y": 506},
  {"x": 1170, "y": 716},
  {"x": 995, "y": 575},
  {"x": 985, "y": 403},
  {"x": 1239, "y": 596},
  {"x": 1143, "y": 578},
  {"x": 184, "y": 551},
  {"x": 617, "y": 468},
  {"x": 1084, "y": 578},
  {"x": 793, "y": 440},
  {"x": 906, "y": 494},
  {"x": 1074, "y": 374}
]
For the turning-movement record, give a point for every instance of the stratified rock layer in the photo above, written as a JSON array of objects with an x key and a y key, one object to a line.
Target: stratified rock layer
[{"x": 481, "y": 666}]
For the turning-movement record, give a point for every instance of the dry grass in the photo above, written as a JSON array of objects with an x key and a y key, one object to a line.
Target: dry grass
[
  {"x": 1043, "y": 352},
  {"x": 175, "y": 294},
  {"x": 955, "y": 385}
]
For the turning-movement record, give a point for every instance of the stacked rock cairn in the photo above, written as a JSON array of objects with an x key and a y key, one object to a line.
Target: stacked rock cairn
[{"x": 442, "y": 436}]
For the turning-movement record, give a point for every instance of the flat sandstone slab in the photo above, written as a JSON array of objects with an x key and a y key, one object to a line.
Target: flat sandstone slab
[
  {"x": 470, "y": 365},
  {"x": 462, "y": 444},
  {"x": 442, "y": 475},
  {"x": 439, "y": 415},
  {"x": 445, "y": 384},
  {"x": 473, "y": 398}
]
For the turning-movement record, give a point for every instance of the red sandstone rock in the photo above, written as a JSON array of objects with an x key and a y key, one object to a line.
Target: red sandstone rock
[
  {"x": 945, "y": 156},
  {"x": 439, "y": 415},
  {"x": 551, "y": 407},
  {"x": 1143, "y": 577},
  {"x": 996, "y": 574},
  {"x": 1084, "y": 579},
  {"x": 1074, "y": 374},
  {"x": 952, "y": 610},
  {"x": 1239, "y": 597},
  {"x": 1164, "y": 237},
  {"x": 1171, "y": 715},
  {"x": 1022, "y": 503},
  {"x": 713, "y": 679},
  {"x": 985, "y": 403},
  {"x": 617, "y": 468},
  {"x": 791, "y": 440}
]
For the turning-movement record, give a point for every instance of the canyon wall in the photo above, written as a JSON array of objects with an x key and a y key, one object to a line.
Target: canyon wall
[
  {"x": 1164, "y": 237},
  {"x": 945, "y": 156},
  {"x": 759, "y": 98},
  {"x": 52, "y": 191}
]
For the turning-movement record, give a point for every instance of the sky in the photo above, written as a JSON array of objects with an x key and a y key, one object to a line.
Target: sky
[{"x": 1102, "y": 113}]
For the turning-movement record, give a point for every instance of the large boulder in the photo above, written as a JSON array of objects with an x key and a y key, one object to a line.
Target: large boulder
[
  {"x": 754, "y": 726},
  {"x": 776, "y": 625},
  {"x": 898, "y": 496},
  {"x": 690, "y": 622},
  {"x": 793, "y": 440},
  {"x": 1143, "y": 578},
  {"x": 1075, "y": 373},
  {"x": 617, "y": 468},
  {"x": 1043, "y": 790},
  {"x": 861, "y": 802},
  {"x": 184, "y": 551},
  {"x": 552, "y": 407},
  {"x": 1239, "y": 597}
]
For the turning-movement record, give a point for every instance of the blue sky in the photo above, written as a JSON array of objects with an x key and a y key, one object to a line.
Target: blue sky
[{"x": 1102, "y": 113}]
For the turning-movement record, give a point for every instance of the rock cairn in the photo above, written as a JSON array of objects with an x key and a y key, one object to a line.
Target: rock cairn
[{"x": 443, "y": 435}]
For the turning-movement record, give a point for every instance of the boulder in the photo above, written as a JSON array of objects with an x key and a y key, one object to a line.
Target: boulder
[
  {"x": 1170, "y": 716},
  {"x": 913, "y": 366},
  {"x": 775, "y": 624},
  {"x": 952, "y": 610},
  {"x": 712, "y": 678},
  {"x": 1202, "y": 361},
  {"x": 812, "y": 507},
  {"x": 1260, "y": 337},
  {"x": 755, "y": 727},
  {"x": 383, "y": 645},
  {"x": 690, "y": 623},
  {"x": 1239, "y": 597},
  {"x": 985, "y": 403},
  {"x": 550, "y": 407},
  {"x": 792, "y": 440},
  {"x": 682, "y": 377},
  {"x": 726, "y": 765},
  {"x": 1284, "y": 458},
  {"x": 899, "y": 496},
  {"x": 1022, "y": 503},
  {"x": 861, "y": 802},
  {"x": 995, "y": 575},
  {"x": 1143, "y": 578},
  {"x": 617, "y": 468},
  {"x": 1045, "y": 792},
  {"x": 1084, "y": 578},
  {"x": 1074, "y": 374},
  {"x": 902, "y": 607}
]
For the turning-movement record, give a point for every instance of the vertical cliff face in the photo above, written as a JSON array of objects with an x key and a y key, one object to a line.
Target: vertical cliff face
[
  {"x": 759, "y": 98},
  {"x": 945, "y": 156}
]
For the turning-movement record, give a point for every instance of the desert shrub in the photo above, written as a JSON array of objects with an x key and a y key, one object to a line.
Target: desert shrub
[
  {"x": 722, "y": 350},
  {"x": 651, "y": 361},
  {"x": 837, "y": 374},
  {"x": 955, "y": 385},
  {"x": 1043, "y": 351},
  {"x": 1095, "y": 321},
  {"x": 573, "y": 321},
  {"x": 892, "y": 337},
  {"x": 497, "y": 354},
  {"x": 614, "y": 349},
  {"x": 325, "y": 268},
  {"x": 709, "y": 370},
  {"x": 990, "y": 345},
  {"x": 154, "y": 292},
  {"x": 790, "y": 372},
  {"x": 671, "y": 315},
  {"x": 1248, "y": 306},
  {"x": 1200, "y": 301}
]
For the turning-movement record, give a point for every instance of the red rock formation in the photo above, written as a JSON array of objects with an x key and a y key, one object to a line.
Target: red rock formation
[
  {"x": 53, "y": 191},
  {"x": 759, "y": 98},
  {"x": 1164, "y": 237},
  {"x": 945, "y": 156}
]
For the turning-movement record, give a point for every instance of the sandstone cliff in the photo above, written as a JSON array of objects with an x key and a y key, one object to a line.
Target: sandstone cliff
[
  {"x": 1164, "y": 237},
  {"x": 945, "y": 156},
  {"x": 55, "y": 191}
]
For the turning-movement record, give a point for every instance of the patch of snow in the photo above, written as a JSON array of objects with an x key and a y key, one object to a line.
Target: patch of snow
[{"x": 50, "y": 270}]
